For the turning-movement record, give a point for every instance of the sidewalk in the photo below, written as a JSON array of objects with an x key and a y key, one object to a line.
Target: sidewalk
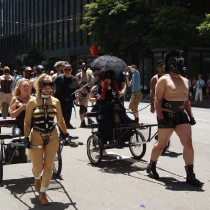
[{"x": 205, "y": 104}]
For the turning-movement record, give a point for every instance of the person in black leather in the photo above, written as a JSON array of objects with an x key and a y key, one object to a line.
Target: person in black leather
[
  {"x": 174, "y": 113},
  {"x": 111, "y": 112},
  {"x": 65, "y": 84}
]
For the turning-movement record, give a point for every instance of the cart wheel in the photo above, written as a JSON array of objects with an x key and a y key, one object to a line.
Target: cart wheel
[
  {"x": 57, "y": 165},
  {"x": 1, "y": 167},
  {"x": 138, "y": 151},
  {"x": 94, "y": 149}
]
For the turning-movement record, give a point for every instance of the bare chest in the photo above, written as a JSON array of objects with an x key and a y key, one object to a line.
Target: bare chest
[{"x": 176, "y": 89}]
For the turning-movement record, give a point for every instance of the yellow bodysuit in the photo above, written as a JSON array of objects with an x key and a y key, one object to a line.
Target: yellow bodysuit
[{"x": 42, "y": 112}]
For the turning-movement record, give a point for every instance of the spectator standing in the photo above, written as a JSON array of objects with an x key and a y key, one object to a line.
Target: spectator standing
[
  {"x": 65, "y": 84},
  {"x": 6, "y": 81},
  {"x": 34, "y": 71},
  {"x": 52, "y": 73},
  {"x": 190, "y": 88},
  {"x": 136, "y": 95},
  {"x": 59, "y": 68},
  {"x": 208, "y": 87},
  {"x": 16, "y": 78},
  {"x": 199, "y": 91},
  {"x": 194, "y": 80}
]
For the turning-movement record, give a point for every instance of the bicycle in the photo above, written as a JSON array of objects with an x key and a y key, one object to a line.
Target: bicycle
[{"x": 130, "y": 134}]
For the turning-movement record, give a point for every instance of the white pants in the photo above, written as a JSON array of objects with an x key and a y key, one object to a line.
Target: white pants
[{"x": 199, "y": 92}]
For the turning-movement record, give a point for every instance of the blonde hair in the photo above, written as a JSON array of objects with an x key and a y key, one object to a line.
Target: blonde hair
[
  {"x": 6, "y": 68},
  {"x": 17, "y": 87},
  {"x": 41, "y": 78}
]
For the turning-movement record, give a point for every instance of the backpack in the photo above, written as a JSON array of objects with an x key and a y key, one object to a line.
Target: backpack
[{"x": 15, "y": 154}]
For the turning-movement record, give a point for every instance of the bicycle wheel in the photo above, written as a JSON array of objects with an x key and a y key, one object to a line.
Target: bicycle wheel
[
  {"x": 138, "y": 151},
  {"x": 57, "y": 165},
  {"x": 94, "y": 149},
  {"x": 1, "y": 166}
]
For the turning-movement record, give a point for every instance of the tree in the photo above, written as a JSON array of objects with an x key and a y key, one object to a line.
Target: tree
[
  {"x": 204, "y": 30},
  {"x": 174, "y": 27},
  {"x": 48, "y": 65},
  {"x": 32, "y": 57},
  {"x": 119, "y": 26}
]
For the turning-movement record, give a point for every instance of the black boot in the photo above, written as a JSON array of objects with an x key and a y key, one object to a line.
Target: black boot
[
  {"x": 128, "y": 120},
  {"x": 124, "y": 117},
  {"x": 191, "y": 177},
  {"x": 151, "y": 170}
]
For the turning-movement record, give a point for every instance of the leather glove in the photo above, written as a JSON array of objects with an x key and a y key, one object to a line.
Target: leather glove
[
  {"x": 27, "y": 143},
  {"x": 66, "y": 138},
  {"x": 192, "y": 121},
  {"x": 162, "y": 123}
]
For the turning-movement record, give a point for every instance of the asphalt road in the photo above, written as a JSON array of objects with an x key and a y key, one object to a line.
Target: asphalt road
[{"x": 119, "y": 182}]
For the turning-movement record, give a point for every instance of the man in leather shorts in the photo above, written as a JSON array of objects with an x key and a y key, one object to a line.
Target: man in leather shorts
[{"x": 174, "y": 114}]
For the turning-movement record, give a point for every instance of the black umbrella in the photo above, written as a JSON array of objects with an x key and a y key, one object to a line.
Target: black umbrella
[{"x": 108, "y": 62}]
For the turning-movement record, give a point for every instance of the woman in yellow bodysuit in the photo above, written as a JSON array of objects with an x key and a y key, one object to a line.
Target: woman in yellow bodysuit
[{"x": 43, "y": 108}]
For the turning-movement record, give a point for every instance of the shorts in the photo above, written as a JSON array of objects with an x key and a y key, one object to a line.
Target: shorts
[
  {"x": 174, "y": 119},
  {"x": 134, "y": 102}
]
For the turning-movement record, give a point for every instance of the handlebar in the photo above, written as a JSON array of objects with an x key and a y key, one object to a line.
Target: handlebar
[{"x": 21, "y": 144}]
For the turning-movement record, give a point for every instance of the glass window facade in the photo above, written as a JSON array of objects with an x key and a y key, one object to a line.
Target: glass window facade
[{"x": 52, "y": 26}]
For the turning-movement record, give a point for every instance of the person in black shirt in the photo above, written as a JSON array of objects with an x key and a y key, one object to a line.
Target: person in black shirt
[{"x": 65, "y": 84}]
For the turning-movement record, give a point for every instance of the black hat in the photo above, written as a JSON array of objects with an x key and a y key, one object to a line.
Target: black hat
[
  {"x": 160, "y": 62},
  {"x": 15, "y": 71}
]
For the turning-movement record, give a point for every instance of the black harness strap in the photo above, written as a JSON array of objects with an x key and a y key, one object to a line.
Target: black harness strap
[{"x": 47, "y": 131}]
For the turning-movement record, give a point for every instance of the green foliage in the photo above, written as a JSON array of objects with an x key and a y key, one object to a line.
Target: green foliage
[
  {"x": 204, "y": 30},
  {"x": 48, "y": 64},
  {"x": 119, "y": 26},
  {"x": 174, "y": 27},
  {"x": 32, "y": 57}
]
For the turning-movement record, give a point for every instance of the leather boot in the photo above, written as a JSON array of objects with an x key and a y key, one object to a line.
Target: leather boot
[
  {"x": 125, "y": 118},
  {"x": 43, "y": 198},
  {"x": 191, "y": 177},
  {"x": 37, "y": 184},
  {"x": 151, "y": 170},
  {"x": 128, "y": 120}
]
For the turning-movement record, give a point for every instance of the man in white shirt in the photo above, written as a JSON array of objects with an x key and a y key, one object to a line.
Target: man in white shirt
[{"x": 199, "y": 91}]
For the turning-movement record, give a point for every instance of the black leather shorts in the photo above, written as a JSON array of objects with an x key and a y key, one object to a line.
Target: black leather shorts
[{"x": 174, "y": 119}]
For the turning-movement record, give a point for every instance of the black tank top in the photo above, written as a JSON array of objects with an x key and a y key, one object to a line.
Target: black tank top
[{"x": 20, "y": 118}]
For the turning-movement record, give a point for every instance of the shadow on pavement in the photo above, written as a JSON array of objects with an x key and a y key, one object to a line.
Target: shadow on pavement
[
  {"x": 23, "y": 190},
  {"x": 171, "y": 154},
  {"x": 176, "y": 185},
  {"x": 116, "y": 165},
  {"x": 113, "y": 164}
]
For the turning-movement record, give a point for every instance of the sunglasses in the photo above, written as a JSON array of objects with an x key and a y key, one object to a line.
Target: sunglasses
[
  {"x": 45, "y": 84},
  {"x": 6, "y": 71},
  {"x": 67, "y": 69}
]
